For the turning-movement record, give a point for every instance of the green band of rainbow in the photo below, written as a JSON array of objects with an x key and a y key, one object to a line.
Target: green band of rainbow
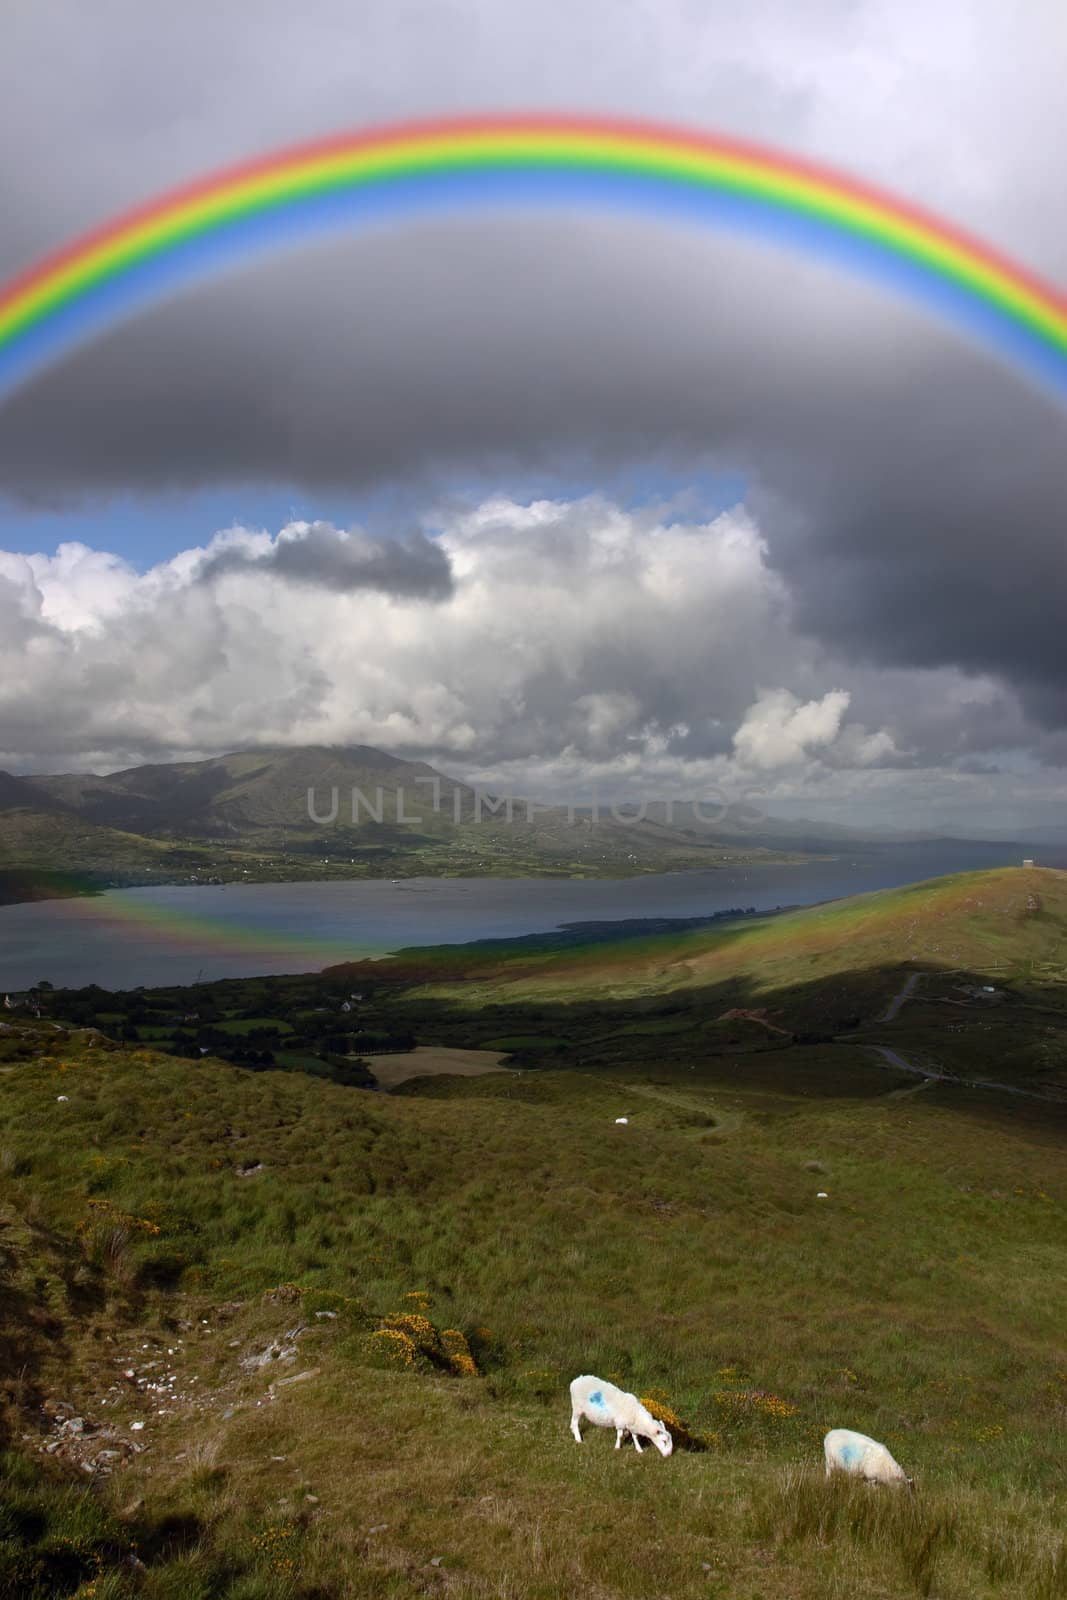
[{"x": 98, "y": 280}]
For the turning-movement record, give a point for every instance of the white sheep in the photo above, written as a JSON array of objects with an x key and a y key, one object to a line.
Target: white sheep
[
  {"x": 847, "y": 1451},
  {"x": 607, "y": 1407}
]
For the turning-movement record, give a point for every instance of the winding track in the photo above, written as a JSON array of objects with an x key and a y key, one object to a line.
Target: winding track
[
  {"x": 899, "y": 999},
  {"x": 898, "y": 1061}
]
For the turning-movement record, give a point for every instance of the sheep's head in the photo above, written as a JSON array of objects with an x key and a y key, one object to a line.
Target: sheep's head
[{"x": 661, "y": 1438}]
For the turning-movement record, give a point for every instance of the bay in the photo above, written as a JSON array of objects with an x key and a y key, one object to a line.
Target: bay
[{"x": 177, "y": 935}]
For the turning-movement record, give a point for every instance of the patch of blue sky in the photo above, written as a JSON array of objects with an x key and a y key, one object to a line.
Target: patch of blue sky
[{"x": 148, "y": 528}]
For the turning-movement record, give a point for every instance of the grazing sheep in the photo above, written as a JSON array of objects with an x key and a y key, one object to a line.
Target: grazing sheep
[
  {"x": 851, "y": 1452},
  {"x": 607, "y": 1407}
]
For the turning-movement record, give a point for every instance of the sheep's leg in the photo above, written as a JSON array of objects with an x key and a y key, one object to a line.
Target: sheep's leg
[
  {"x": 577, "y": 1432},
  {"x": 637, "y": 1445},
  {"x": 619, "y": 1432}
]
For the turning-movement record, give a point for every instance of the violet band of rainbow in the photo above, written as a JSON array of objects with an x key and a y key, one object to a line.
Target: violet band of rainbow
[{"x": 593, "y": 164}]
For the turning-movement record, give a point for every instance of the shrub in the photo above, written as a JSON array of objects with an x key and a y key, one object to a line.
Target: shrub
[
  {"x": 389, "y": 1347},
  {"x": 683, "y": 1436},
  {"x": 458, "y": 1353}
]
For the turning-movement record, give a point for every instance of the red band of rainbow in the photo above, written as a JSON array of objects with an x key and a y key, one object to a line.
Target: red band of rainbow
[{"x": 99, "y": 279}]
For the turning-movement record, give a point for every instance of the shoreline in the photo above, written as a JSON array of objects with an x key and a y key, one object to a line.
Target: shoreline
[{"x": 29, "y": 886}]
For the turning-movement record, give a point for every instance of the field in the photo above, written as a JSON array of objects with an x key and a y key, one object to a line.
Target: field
[
  {"x": 347, "y": 1320},
  {"x": 433, "y": 1061}
]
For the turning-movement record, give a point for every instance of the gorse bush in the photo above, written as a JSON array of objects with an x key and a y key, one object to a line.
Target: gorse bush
[
  {"x": 408, "y": 1339},
  {"x": 684, "y": 1438}
]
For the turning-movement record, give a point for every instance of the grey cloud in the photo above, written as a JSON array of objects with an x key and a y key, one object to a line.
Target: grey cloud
[
  {"x": 323, "y": 556},
  {"x": 910, "y": 489}
]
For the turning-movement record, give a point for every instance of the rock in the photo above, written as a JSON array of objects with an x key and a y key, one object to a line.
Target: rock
[
  {"x": 435, "y": 1561},
  {"x": 136, "y": 1426},
  {"x": 275, "y": 1351},
  {"x": 379, "y": 1527},
  {"x": 297, "y": 1377},
  {"x": 312, "y": 1499}
]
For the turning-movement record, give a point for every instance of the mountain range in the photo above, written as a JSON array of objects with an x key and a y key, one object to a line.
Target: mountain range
[{"x": 325, "y": 811}]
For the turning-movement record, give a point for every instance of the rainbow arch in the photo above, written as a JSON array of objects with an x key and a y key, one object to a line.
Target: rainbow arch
[{"x": 451, "y": 165}]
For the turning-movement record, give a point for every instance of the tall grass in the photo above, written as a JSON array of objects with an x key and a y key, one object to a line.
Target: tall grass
[{"x": 921, "y": 1303}]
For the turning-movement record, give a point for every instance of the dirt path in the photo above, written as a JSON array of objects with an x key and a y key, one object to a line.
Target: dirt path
[
  {"x": 725, "y": 1121},
  {"x": 899, "y": 999},
  {"x": 897, "y": 1061}
]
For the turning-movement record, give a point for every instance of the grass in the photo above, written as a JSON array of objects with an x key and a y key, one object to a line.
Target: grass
[
  {"x": 977, "y": 922},
  {"x": 921, "y": 1304},
  {"x": 177, "y": 1219},
  {"x": 251, "y": 1024}
]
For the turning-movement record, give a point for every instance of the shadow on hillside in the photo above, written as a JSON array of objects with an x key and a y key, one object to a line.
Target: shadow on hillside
[
  {"x": 32, "y": 1334},
  {"x": 815, "y": 1037}
]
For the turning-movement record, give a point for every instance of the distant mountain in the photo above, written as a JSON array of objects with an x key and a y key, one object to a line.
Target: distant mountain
[
  {"x": 248, "y": 815},
  {"x": 743, "y": 822},
  {"x": 23, "y": 794},
  {"x": 256, "y": 789},
  {"x": 262, "y": 796}
]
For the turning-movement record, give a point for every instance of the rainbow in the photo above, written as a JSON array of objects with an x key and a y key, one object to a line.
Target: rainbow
[{"x": 445, "y": 166}]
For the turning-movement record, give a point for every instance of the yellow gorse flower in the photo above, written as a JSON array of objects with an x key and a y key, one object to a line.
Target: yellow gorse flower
[
  {"x": 124, "y": 1219},
  {"x": 454, "y": 1343},
  {"x": 754, "y": 1401},
  {"x": 396, "y": 1347},
  {"x": 417, "y": 1327}
]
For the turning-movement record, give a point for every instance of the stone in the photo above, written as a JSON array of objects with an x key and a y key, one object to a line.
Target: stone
[{"x": 297, "y": 1377}]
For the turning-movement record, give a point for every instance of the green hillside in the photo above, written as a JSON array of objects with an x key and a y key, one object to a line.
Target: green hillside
[
  {"x": 347, "y": 1320},
  {"x": 1010, "y": 919},
  {"x": 159, "y": 1231}
]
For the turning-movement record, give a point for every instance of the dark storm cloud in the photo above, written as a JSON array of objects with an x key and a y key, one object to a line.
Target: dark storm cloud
[
  {"x": 910, "y": 489},
  {"x": 322, "y": 556}
]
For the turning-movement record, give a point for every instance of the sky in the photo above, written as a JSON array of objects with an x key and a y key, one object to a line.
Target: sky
[{"x": 563, "y": 503}]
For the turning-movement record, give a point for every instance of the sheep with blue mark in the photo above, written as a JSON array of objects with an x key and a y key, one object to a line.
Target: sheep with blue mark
[
  {"x": 605, "y": 1406},
  {"x": 862, "y": 1457}
]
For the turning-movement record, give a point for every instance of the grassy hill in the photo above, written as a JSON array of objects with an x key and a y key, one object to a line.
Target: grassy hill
[
  {"x": 346, "y": 1321},
  {"x": 1011, "y": 919},
  {"x": 731, "y": 990},
  {"x": 175, "y": 1223}
]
